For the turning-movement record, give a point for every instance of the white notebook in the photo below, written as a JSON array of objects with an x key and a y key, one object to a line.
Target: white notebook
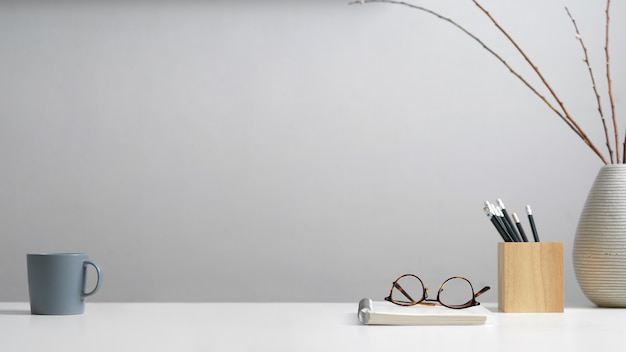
[{"x": 386, "y": 313}]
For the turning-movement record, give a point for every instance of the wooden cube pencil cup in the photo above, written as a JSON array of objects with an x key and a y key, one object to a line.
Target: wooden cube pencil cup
[{"x": 530, "y": 277}]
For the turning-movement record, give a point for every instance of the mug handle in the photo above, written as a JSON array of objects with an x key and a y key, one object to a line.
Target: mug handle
[{"x": 88, "y": 262}]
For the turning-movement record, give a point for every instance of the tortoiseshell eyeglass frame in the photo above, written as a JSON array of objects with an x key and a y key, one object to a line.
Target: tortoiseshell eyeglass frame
[{"x": 424, "y": 298}]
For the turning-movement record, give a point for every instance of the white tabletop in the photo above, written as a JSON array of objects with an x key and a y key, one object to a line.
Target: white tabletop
[{"x": 297, "y": 327}]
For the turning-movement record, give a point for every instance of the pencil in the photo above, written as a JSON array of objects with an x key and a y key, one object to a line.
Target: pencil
[
  {"x": 497, "y": 215},
  {"x": 505, "y": 226},
  {"x": 495, "y": 223},
  {"x": 531, "y": 219},
  {"x": 520, "y": 228},
  {"x": 507, "y": 219}
]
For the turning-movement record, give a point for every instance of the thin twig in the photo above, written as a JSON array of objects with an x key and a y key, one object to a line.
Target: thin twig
[
  {"x": 579, "y": 130},
  {"x": 593, "y": 84},
  {"x": 609, "y": 81},
  {"x": 564, "y": 115},
  {"x": 515, "y": 73}
]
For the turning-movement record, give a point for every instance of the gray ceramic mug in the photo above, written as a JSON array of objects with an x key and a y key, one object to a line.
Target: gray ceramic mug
[{"x": 56, "y": 282}]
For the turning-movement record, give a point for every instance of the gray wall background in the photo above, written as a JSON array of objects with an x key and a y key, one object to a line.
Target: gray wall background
[{"x": 287, "y": 151}]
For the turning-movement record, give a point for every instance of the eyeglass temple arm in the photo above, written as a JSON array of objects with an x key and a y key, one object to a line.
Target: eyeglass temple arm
[
  {"x": 482, "y": 290},
  {"x": 396, "y": 285}
]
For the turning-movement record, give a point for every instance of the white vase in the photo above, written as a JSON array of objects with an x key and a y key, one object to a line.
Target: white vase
[{"x": 600, "y": 243}]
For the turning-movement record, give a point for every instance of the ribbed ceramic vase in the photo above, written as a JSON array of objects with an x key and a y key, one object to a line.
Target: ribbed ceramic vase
[{"x": 600, "y": 242}]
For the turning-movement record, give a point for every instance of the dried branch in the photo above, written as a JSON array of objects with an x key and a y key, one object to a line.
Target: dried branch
[
  {"x": 449, "y": 20},
  {"x": 610, "y": 82},
  {"x": 568, "y": 117},
  {"x": 593, "y": 84},
  {"x": 563, "y": 113}
]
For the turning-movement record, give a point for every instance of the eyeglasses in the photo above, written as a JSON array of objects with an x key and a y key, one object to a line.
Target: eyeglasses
[{"x": 456, "y": 292}]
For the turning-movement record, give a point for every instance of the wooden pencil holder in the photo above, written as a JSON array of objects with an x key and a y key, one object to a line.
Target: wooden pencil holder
[{"x": 530, "y": 277}]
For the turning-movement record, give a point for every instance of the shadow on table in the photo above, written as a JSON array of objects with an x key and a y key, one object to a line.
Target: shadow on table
[{"x": 14, "y": 312}]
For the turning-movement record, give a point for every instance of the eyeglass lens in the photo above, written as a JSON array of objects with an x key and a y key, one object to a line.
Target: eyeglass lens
[
  {"x": 456, "y": 292},
  {"x": 407, "y": 290}
]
